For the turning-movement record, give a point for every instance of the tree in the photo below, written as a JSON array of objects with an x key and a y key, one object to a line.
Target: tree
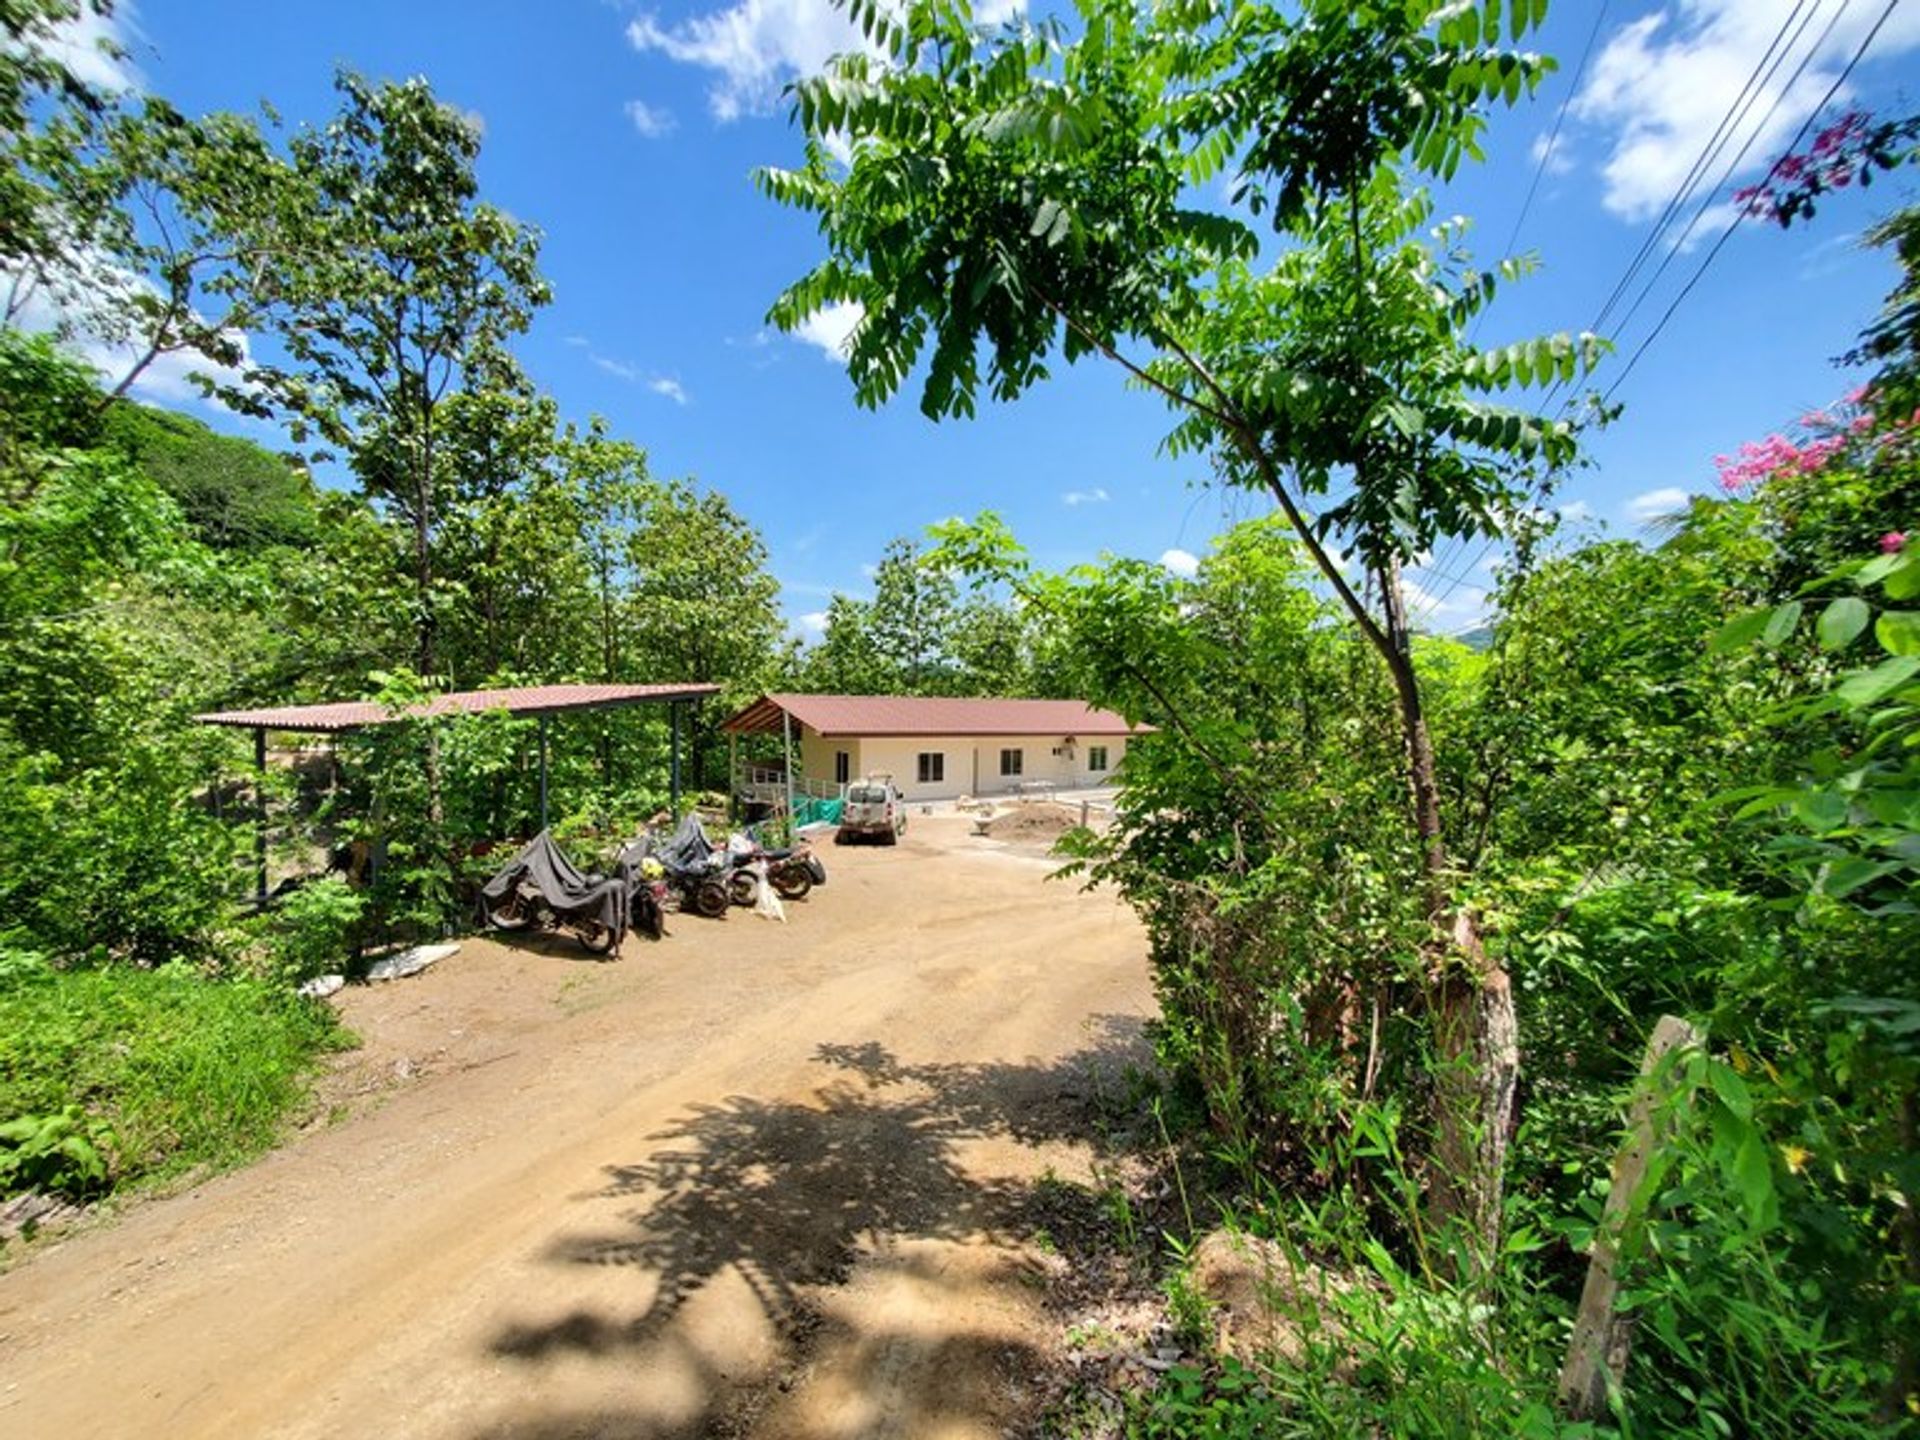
[
  {"x": 390, "y": 287},
  {"x": 1020, "y": 195},
  {"x": 703, "y": 606},
  {"x": 911, "y": 618},
  {"x": 846, "y": 661}
]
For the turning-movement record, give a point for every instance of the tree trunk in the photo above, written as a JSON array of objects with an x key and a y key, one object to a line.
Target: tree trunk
[{"x": 1476, "y": 1032}]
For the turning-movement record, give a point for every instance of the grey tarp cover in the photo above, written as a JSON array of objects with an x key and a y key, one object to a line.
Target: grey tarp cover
[
  {"x": 566, "y": 891},
  {"x": 686, "y": 849}
]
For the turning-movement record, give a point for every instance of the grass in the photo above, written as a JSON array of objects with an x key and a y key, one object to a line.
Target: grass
[{"x": 184, "y": 1071}]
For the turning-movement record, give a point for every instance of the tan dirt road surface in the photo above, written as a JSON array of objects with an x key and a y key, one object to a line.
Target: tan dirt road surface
[{"x": 753, "y": 1180}]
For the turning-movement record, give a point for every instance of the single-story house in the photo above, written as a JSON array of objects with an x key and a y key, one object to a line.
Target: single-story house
[{"x": 938, "y": 748}]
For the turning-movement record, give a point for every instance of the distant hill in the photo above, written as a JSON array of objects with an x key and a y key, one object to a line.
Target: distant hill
[{"x": 237, "y": 495}]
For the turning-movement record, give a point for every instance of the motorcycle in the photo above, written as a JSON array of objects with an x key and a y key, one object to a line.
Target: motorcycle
[
  {"x": 792, "y": 872},
  {"x": 693, "y": 873},
  {"x": 540, "y": 889}
]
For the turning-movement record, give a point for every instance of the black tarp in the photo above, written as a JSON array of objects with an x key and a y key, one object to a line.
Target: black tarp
[{"x": 560, "y": 884}]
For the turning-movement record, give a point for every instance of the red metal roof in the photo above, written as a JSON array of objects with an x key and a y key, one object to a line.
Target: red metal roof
[
  {"x": 530, "y": 700},
  {"x": 851, "y": 715}
]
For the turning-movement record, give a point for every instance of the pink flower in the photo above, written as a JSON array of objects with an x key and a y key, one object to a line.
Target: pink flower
[{"x": 1893, "y": 540}]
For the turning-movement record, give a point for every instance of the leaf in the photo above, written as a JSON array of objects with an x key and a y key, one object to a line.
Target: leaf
[
  {"x": 1898, "y": 632},
  {"x": 1739, "y": 632},
  {"x": 1731, "y": 1089},
  {"x": 1866, "y": 687},
  {"x": 1841, "y": 622},
  {"x": 1781, "y": 624},
  {"x": 1903, "y": 582}
]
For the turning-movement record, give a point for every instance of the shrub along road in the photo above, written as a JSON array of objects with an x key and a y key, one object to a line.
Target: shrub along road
[{"x": 755, "y": 1179}]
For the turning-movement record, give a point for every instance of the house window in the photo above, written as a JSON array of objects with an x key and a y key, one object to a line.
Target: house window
[
  {"x": 1096, "y": 757},
  {"x": 842, "y": 767},
  {"x": 1011, "y": 761},
  {"x": 933, "y": 767}
]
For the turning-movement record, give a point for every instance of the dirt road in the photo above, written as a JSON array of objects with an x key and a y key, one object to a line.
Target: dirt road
[{"x": 756, "y": 1179}]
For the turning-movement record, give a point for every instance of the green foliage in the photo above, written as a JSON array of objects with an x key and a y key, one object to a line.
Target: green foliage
[
  {"x": 162, "y": 1071},
  {"x": 60, "y": 1154},
  {"x": 233, "y": 493},
  {"x": 310, "y": 932}
]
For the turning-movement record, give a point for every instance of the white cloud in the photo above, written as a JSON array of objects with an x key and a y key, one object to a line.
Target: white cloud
[
  {"x": 1657, "y": 503},
  {"x": 1550, "y": 153},
  {"x": 85, "y": 45},
  {"x": 619, "y": 369},
  {"x": 652, "y": 121},
  {"x": 813, "y": 623},
  {"x": 666, "y": 385},
  {"x": 1662, "y": 84},
  {"x": 1575, "y": 511},
  {"x": 1183, "y": 563},
  {"x": 1456, "y": 607},
  {"x": 755, "y": 47},
  {"x": 870, "y": 570},
  {"x": 1095, "y": 496},
  {"x": 832, "y": 328}
]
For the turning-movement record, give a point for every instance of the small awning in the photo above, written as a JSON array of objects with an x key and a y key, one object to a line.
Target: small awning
[{"x": 345, "y": 715}]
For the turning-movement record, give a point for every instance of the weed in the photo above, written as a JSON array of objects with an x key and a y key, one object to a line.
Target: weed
[{"x": 183, "y": 1071}]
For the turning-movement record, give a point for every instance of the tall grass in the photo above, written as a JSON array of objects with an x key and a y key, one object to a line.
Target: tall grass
[{"x": 185, "y": 1071}]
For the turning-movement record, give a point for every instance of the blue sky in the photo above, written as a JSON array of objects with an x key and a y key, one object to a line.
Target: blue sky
[{"x": 627, "y": 134}]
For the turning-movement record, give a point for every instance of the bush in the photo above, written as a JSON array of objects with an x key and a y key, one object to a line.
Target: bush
[
  {"x": 182, "y": 1071},
  {"x": 311, "y": 932}
]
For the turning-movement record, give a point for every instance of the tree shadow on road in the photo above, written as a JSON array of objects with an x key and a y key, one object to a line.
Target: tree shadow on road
[{"x": 787, "y": 1195}]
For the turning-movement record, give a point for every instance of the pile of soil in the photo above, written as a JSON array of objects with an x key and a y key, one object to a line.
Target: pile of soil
[{"x": 1034, "y": 822}]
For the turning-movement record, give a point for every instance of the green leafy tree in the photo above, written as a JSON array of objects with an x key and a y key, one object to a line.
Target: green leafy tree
[
  {"x": 1029, "y": 194},
  {"x": 911, "y": 618},
  {"x": 390, "y": 287}
]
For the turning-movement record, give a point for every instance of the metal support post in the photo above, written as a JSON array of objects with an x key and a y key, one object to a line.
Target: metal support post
[
  {"x": 260, "y": 811},
  {"x": 543, "y": 772},
  {"x": 786, "y": 726},
  {"x": 673, "y": 762}
]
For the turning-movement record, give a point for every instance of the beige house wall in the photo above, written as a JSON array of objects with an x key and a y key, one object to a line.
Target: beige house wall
[{"x": 972, "y": 763}]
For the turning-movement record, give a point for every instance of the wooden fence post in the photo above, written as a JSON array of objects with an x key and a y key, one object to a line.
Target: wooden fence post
[{"x": 1597, "y": 1352}]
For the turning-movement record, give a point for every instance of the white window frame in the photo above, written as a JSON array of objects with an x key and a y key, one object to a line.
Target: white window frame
[
  {"x": 1096, "y": 758},
  {"x": 1013, "y": 761},
  {"x": 931, "y": 767}
]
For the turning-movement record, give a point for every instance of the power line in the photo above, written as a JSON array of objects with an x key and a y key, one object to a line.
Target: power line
[
  {"x": 1704, "y": 160},
  {"x": 1733, "y": 168},
  {"x": 1768, "y": 66},
  {"x": 1734, "y": 224},
  {"x": 1553, "y": 136}
]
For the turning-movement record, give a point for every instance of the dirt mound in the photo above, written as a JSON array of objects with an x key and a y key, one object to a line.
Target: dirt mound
[{"x": 1034, "y": 822}]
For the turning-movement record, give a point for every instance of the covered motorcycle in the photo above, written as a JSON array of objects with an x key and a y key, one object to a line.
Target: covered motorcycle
[
  {"x": 541, "y": 887},
  {"x": 695, "y": 871}
]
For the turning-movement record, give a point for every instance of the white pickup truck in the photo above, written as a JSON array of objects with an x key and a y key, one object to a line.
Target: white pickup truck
[{"x": 874, "y": 808}]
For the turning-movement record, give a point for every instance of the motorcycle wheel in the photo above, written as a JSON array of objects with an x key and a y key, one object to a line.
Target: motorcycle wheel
[
  {"x": 512, "y": 913},
  {"x": 742, "y": 888},
  {"x": 792, "y": 882},
  {"x": 595, "y": 938},
  {"x": 711, "y": 899}
]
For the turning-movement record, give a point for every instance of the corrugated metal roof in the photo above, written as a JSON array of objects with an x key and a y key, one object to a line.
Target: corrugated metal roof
[
  {"x": 529, "y": 700},
  {"x": 901, "y": 715}
]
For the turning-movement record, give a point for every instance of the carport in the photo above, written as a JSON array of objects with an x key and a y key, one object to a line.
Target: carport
[{"x": 543, "y": 701}]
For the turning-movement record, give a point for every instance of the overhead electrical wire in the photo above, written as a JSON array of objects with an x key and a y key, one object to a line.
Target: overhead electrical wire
[
  {"x": 1768, "y": 66},
  {"x": 1734, "y": 224}
]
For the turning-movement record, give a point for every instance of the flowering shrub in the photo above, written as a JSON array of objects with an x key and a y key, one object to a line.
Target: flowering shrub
[
  {"x": 1777, "y": 456},
  {"x": 1852, "y": 147}
]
